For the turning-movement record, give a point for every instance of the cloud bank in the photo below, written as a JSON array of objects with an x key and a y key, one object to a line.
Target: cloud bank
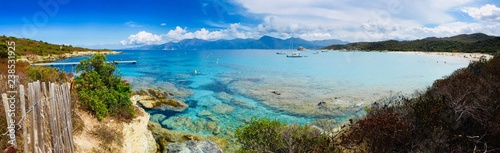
[
  {"x": 488, "y": 13},
  {"x": 346, "y": 20}
]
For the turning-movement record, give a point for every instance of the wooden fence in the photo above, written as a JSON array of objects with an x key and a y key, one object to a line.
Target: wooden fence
[{"x": 47, "y": 119}]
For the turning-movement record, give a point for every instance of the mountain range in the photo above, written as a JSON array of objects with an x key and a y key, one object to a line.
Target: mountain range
[
  {"x": 265, "y": 42},
  {"x": 477, "y": 42}
]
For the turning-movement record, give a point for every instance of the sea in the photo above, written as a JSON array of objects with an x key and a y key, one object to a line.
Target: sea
[{"x": 228, "y": 88}]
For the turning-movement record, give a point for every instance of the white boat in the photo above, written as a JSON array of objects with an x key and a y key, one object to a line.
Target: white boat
[
  {"x": 295, "y": 54},
  {"x": 281, "y": 52}
]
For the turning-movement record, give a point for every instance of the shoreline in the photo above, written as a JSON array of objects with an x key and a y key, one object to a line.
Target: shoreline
[
  {"x": 32, "y": 59},
  {"x": 471, "y": 57}
]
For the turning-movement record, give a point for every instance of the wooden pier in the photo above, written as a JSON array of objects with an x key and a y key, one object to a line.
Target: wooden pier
[{"x": 76, "y": 63}]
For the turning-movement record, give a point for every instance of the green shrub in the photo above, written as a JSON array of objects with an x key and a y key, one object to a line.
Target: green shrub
[
  {"x": 46, "y": 74},
  {"x": 101, "y": 91},
  {"x": 265, "y": 135}
]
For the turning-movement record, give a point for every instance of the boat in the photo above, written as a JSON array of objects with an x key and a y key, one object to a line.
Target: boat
[
  {"x": 316, "y": 53},
  {"x": 281, "y": 52},
  {"x": 295, "y": 55}
]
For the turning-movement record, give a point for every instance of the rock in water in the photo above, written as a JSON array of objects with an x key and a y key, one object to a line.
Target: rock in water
[
  {"x": 152, "y": 99},
  {"x": 194, "y": 147},
  {"x": 222, "y": 109}
]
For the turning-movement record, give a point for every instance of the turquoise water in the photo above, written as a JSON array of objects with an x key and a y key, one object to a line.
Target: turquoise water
[{"x": 228, "y": 87}]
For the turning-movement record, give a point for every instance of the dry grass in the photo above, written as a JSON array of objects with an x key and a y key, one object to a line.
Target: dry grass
[{"x": 109, "y": 138}]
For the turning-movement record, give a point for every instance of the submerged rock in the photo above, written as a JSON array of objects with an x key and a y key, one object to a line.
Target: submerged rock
[
  {"x": 241, "y": 103},
  {"x": 222, "y": 109},
  {"x": 224, "y": 96},
  {"x": 229, "y": 99}
]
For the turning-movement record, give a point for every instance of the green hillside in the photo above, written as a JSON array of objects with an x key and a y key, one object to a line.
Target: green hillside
[
  {"x": 33, "y": 47},
  {"x": 477, "y": 42}
]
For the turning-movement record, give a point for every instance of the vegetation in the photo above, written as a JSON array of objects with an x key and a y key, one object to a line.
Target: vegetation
[
  {"x": 101, "y": 90},
  {"x": 32, "y": 47},
  {"x": 265, "y": 135},
  {"x": 26, "y": 74},
  {"x": 460, "y": 113},
  {"x": 462, "y": 43},
  {"x": 109, "y": 138},
  {"x": 46, "y": 74}
]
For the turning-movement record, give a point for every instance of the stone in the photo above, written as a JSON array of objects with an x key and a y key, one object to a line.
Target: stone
[
  {"x": 170, "y": 104},
  {"x": 212, "y": 118},
  {"x": 216, "y": 130},
  {"x": 158, "y": 118},
  {"x": 322, "y": 105},
  {"x": 157, "y": 94},
  {"x": 241, "y": 103},
  {"x": 224, "y": 97},
  {"x": 194, "y": 147},
  {"x": 177, "y": 148},
  {"x": 222, "y": 109},
  {"x": 204, "y": 113},
  {"x": 211, "y": 126},
  {"x": 153, "y": 99}
]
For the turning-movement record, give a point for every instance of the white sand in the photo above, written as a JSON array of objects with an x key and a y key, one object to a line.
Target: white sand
[{"x": 449, "y": 55}]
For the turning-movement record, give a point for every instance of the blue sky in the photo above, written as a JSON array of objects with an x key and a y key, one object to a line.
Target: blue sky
[{"x": 127, "y": 23}]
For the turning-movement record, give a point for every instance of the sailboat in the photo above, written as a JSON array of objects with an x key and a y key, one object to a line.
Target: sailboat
[{"x": 294, "y": 54}]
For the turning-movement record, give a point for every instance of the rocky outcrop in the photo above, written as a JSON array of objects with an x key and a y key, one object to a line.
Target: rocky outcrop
[
  {"x": 120, "y": 136},
  {"x": 176, "y": 141},
  {"x": 194, "y": 147},
  {"x": 300, "y": 48},
  {"x": 137, "y": 137},
  {"x": 158, "y": 99}
]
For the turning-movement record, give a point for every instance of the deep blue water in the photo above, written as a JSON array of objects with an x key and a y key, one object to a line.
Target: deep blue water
[{"x": 248, "y": 76}]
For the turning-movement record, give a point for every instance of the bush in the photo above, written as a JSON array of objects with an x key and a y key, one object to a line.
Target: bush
[
  {"x": 265, "y": 135},
  {"x": 46, "y": 74},
  {"x": 384, "y": 129},
  {"x": 101, "y": 91},
  {"x": 459, "y": 113}
]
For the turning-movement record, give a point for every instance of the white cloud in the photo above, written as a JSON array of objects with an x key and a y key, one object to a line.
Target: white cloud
[
  {"x": 365, "y": 20},
  {"x": 345, "y": 19},
  {"x": 163, "y": 24},
  {"x": 488, "y": 12},
  {"x": 142, "y": 38},
  {"x": 231, "y": 32},
  {"x": 132, "y": 24}
]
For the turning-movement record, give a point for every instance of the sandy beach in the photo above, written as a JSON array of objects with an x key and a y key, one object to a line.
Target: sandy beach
[
  {"x": 449, "y": 55},
  {"x": 50, "y": 58}
]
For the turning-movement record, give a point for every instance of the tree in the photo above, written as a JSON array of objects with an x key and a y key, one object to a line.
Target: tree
[
  {"x": 3, "y": 51},
  {"x": 101, "y": 90}
]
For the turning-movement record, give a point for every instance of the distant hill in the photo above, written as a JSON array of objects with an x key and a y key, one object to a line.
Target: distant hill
[
  {"x": 477, "y": 42},
  {"x": 33, "y": 47},
  {"x": 265, "y": 42}
]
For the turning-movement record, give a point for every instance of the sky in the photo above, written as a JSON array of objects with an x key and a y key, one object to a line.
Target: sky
[{"x": 129, "y": 23}]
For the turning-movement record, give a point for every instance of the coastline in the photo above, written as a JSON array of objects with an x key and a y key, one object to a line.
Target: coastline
[
  {"x": 471, "y": 57},
  {"x": 50, "y": 58}
]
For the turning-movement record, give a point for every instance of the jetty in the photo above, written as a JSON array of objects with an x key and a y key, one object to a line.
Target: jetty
[{"x": 76, "y": 63}]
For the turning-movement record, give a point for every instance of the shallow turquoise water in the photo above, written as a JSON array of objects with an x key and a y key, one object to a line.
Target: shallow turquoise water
[{"x": 248, "y": 76}]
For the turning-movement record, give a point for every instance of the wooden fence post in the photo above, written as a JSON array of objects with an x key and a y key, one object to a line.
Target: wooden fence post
[
  {"x": 32, "y": 116},
  {"x": 23, "y": 122},
  {"x": 50, "y": 108}
]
